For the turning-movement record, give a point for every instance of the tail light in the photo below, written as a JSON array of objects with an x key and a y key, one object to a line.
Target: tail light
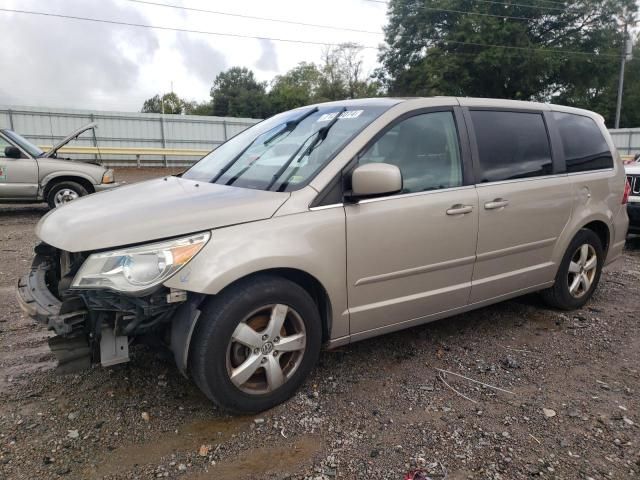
[{"x": 627, "y": 191}]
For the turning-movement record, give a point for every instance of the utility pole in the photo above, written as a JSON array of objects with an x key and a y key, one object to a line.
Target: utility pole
[{"x": 623, "y": 61}]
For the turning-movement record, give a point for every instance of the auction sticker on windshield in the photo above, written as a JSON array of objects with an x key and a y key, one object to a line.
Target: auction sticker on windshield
[{"x": 344, "y": 115}]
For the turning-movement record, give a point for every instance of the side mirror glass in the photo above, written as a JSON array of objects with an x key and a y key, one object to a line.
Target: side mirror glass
[
  {"x": 12, "y": 152},
  {"x": 373, "y": 179}
]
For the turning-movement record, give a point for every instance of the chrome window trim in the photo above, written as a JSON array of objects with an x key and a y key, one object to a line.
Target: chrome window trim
[
  {"x": 413, "y": 194},
  {"x": 325, "y": 207},
  {"x": 518, "y": 180},
  {"x": 586, "y": 172}
]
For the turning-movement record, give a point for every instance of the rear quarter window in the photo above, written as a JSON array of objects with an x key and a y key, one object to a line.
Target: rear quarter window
[{"x": 585, "y": 148}]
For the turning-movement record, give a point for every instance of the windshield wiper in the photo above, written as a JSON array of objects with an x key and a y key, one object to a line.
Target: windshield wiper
[
  {"x": 289, "y": 126},
  {"x": 321, "y": 134}
]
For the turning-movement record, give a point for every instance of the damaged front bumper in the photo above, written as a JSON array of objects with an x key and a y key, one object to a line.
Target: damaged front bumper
[{"x": 92, "y": 325}]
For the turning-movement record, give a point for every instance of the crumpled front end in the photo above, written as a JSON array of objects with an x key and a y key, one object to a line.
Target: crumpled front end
[{"x": 91, "y": 326}]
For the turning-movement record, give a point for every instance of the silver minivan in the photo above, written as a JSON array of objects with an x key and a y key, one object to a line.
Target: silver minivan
[
  {"x": 330, "y": 224},
  {"x": 29, "y": 174}
]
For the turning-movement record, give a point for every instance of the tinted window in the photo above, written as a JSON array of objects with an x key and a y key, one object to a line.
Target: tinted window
[
  {"x": 584, "y": 145},
  {"x": 426, "y": 150},
  {"x": 511, "y": 145}
]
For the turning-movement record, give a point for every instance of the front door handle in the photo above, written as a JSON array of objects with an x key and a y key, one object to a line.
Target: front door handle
[
  {"x": 460, "y": 209},
  {"x": 496, "y": 204}
]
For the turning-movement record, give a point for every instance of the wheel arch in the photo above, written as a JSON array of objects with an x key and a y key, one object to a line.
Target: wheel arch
[
  {"x": 309, "y": 283},
  {"x": 50, "y": 182},
  {"x": 602, "y": 230},
  {"x": 598, "y": 224}
]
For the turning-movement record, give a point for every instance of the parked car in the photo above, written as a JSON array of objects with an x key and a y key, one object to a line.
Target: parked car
[
  {"x": 633, "y": 207},
  {"x": 27, "y": 174},
  {"x": 330, "y": 224}
]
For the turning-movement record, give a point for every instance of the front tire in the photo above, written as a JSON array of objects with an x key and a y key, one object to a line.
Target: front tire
[
  {"x": 255, "y": 343},
  {"x": 579, "y": 272},
  {"x": 65, "y": 192}
]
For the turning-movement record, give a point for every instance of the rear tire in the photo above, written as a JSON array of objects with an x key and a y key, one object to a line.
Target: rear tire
[
  {"x": 240, "y": 367},
  {"x": 65, "y": 192},
  {"x": 578, "y": 274}
]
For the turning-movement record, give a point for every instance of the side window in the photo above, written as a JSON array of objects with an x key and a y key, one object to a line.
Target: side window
[
  {"x": 3, "y": 145},
  {"x": 511, "y": 145},
  {"x": 584, "y": 145},
  {"x": 425, "y": 148}
]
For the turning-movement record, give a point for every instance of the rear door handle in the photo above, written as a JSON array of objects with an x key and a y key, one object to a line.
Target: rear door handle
[
  {"x": 460, "y": 209},
  {"x": 496, "y": 204}
]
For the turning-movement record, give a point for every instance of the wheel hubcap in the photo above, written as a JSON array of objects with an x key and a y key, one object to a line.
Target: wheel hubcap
[
  {"x": 582, "y": 270},
  {"x": 65, "y": 196},
  {"x": 266, "y": 349}
]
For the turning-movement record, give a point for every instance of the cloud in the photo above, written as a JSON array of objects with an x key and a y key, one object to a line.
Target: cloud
[
  {"x": 62, "y": 62},
  {"x": 268, "y": 60},
  {"x": 199, "y": 58}
]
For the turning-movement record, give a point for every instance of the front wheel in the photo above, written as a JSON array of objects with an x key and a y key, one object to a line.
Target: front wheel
[
  {"x": 65, "y": 192},
  {"x": 255, "y": 344},
  {"x": 579, "y": 272}
]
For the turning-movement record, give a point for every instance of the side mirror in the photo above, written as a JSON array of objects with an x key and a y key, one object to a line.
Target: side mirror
[
  {"x": 373, "y": 179},
  {"x": 12, "y": 152}
]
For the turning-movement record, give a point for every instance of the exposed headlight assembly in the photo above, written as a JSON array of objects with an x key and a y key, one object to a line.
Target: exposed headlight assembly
[
  {"x": 140, "y": 268},
  {"x": 108, "y": 177}
]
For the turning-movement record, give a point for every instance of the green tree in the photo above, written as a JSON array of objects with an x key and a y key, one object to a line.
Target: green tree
[
  {"x": 237, "y": 93},
  {"x": 196, "y": 108},
  {"x": 455, "y": 47},
  {"x": 295, "y": 88},
  {"x": 338, "y": 76},
  {"x": 168, "y": 103}
]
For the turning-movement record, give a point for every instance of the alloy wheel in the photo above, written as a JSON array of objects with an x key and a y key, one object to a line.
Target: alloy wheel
[
  {"x": 582, "y": 270},
  {"x": 266, "y": 349}
]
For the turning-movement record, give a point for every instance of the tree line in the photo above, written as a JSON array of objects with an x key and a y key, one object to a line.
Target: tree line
[
  {"x": 561, "y": 52},
  {"x": 237, "y": 93}
]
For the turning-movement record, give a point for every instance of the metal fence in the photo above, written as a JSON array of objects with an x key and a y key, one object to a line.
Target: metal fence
[
  {"x": 627, "y": 140},
  {"x": 44, "y": 126}
]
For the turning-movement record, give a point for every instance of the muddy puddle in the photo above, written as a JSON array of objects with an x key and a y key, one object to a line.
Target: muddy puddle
[
  {"x": 285, "y": 458},
  {"x": 187, "y": 438}
]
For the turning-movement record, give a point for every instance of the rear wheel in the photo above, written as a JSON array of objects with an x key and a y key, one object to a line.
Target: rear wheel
[
  {"x": 65, "y": 192},
  {"x": 579, "y": 272},
  {"x": 255, "y": 344}
]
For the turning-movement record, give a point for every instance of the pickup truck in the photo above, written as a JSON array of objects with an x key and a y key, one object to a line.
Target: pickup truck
[{"x": 28, "y": 174}]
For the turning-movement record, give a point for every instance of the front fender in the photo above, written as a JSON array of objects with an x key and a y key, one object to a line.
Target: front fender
[
  {"x": 312, "y": 242},
  {"x": 68, "y": 173}
]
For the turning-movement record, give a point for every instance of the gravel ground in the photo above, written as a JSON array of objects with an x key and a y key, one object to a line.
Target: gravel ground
[{"x": 372, "y": 410}]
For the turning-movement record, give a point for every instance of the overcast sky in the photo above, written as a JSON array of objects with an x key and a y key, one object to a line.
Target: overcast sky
[{"x": 58, "y": 62}]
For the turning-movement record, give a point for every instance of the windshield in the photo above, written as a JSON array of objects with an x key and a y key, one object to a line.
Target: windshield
[
  {"x": 23, "y": 143},
  {"x": 284, "y": 152}
]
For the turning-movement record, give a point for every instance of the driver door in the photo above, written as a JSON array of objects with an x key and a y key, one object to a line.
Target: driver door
[{"x": 18, "y": 176}]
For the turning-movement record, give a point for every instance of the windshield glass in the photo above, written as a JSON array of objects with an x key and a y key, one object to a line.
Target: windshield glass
[
  {"x": 284, "y": 152},
  {"x": 23, "y": 143}
]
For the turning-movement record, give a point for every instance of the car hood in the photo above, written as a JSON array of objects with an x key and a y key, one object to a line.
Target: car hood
[
  {"x": 72, "y": 136},
  {"x": 153, "y": 210}
]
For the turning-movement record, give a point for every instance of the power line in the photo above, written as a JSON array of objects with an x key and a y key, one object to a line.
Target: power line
[
  {"x": 251, "y": 17},
  {"x": 288, "y": 40},
  {"x": 384, "y": 2},
  {"x": 173, "y": 29}
]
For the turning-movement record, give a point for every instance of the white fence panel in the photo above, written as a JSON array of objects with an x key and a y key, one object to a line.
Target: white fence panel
[
  {"x": 44, "y": 126},
  {"x": 626, "y": 140}
]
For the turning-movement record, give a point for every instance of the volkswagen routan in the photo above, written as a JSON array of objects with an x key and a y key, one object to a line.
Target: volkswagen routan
[{"x": 326, "y": 225}]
